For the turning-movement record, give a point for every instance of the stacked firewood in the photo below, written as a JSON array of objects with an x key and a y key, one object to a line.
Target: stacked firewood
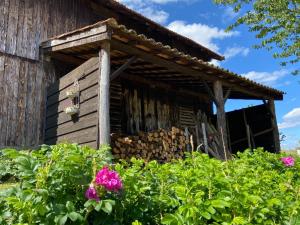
[{"x": 161, "y": 145}]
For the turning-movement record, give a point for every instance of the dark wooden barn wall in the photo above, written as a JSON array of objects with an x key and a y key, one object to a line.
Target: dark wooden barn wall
[
  {"x": 259, "y": 120},
  {"x": 23, "y": 25},
  {"x": 147, "y": 109},
  {"x": 22, "y": 87},
  {"x": 82, "y": 128}
]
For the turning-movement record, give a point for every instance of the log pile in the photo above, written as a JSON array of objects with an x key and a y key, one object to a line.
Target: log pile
[{"x": 161, "y": 145}]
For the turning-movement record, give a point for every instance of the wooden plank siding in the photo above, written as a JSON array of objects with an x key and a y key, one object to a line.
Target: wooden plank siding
[
  {"x": 81, "y": 128},
  {"x": 24, "y": 74},
  {"x": 147, "y": 109},
  {"x": 25, "y": 23}
]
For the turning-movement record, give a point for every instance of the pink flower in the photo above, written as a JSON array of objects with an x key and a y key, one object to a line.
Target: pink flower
[
  {"x": 91, "y": 193},
  {"x": 288, "y": 161},
  {"x": 109, "y": 179}
]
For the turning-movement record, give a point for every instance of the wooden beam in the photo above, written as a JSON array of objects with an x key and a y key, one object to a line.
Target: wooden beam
[
  {"x": 254, "y": 135},
  {"x": 104, "y": 84},
  {"x": 165, "y": 87},
  {"x": 228, "y": 92},
  {"x": 221, "y": 119},
  {"x": 210, "y": 93},
  {"x": 173, "y": 66},
  {"x": 271, "y": 106},
  {"x": 116, "y": 73}
]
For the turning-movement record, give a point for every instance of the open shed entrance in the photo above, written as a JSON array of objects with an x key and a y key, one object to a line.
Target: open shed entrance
[
  {"x": 251, "y": 127},
  {"x": 142, "y": 85}
]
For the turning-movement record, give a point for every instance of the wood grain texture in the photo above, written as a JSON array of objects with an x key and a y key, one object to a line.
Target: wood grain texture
[{"x": 24, "y": 75}]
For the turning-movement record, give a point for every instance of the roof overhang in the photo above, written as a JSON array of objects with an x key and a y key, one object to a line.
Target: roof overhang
[{"x": 156, "y": 62}]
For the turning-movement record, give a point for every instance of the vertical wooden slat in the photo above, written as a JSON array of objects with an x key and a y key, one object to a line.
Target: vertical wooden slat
[
  {"x": 104, "y": 74},
  {"x": 11, "y": 41},
  {"x": 29, "y": 105},
  {"x": 22, "y": 92},
  {"x": 271, "y": 105},
  {"x": 3, "y": 101},
  {"x": 19, "y": 37},
  {"x": 4, "y": 6},
  {"x": 12, "y": 82}
]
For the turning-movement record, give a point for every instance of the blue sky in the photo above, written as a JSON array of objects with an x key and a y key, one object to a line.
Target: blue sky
[{"x": 204, "y": 22}]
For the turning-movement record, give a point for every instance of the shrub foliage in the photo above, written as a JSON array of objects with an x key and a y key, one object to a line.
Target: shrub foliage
[{"x": 254, "y": 188}]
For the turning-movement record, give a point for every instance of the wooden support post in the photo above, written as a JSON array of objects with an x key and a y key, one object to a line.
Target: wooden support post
[
  {"x": 204, "y": 137},
  {"x": 271, "y": 106},
  {"x": 221, "y": 119},
  {"x": 104, "y": 84},
  {"x": 247, "y": 130}
]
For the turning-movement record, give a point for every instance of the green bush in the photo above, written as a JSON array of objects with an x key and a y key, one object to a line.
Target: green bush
[
  {"x": 52, "y": 184},
  {"x": 254, "y": 188}
]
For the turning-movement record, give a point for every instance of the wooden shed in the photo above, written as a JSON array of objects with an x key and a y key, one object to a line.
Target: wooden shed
[{"x": 124, "y": 74}]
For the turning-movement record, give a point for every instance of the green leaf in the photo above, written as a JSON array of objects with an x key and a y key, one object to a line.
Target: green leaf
[
  {"x": 220, "y": 203},
  {"x": 108, "y": 205},
  {"x": 70, "y": 206},
  {"x": 205, "y": 214},
  {"x": 170, "y": 219},
  {"x": 62, "y": 220},
  {"x": 75, "y": 216},
  {"x": 98, "y": 206}
]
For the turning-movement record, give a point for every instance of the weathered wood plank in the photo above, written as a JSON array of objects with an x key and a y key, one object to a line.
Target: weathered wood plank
[
  {"x": 81, "y": 136},
  {"x": 60, "y": 106},
  {"x": 3, "y": 102},
  {"x": 20, "y": 131},
  {"x": 87, "y": 107},
  {"x": 79, "y": 43},
  {"x": 87, "y": 82},
  {"x": 4, "y": 9},
  {"x": 60, "y": 41},
  {"x": 12, "y": 82},
  {"x": 12, "y": 31},
  {"x": 29, "y": 113},
  {"x": 72, "y": 126},
  {"x": 85, "y": 69},
  {"x": 20, "y": 28}
]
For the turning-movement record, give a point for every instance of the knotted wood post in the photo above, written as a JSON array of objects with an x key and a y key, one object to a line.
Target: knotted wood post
[
  {"x": 221, "y": 119},
  {"x": 104, "y": 84},
  {"x": 271, "y": 105}
]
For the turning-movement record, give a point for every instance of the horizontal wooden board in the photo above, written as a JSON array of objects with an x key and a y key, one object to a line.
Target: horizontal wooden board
[
  {"x": 80, "y": 72},
  {"x": 87, "y": 82},
  {"x": 92, "y": 144},
  {"x": 85, "y": 95},
  {"x": 87, "y": 107},
  {"x": 72, "y": 126},
  {"x": 81, "y": 136}
]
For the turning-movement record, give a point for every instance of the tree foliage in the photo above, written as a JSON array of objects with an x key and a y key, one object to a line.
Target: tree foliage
[{"x": 276, "y": 23}]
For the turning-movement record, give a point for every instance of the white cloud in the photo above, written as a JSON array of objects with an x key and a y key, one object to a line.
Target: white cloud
[
  {"x": 150, "y": 9},
  {"x": 291, "y": 119},
  {"x": 158, "y": 16},
  {"x": 234, "y": 51},
  {"x": 267, "y": 78},
  {"x": 200, "y": 33}
]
